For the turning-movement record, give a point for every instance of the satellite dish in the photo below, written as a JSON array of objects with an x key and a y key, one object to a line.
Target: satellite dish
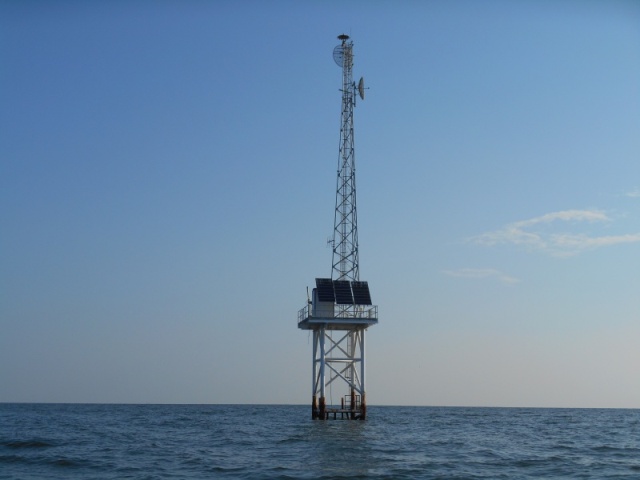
[
  {"x": 361, "y": 88},
  {"x": 338, "y": 55}
]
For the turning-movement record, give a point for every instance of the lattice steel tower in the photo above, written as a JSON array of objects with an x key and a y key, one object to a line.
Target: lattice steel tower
[{"x": 341, "y": 305}]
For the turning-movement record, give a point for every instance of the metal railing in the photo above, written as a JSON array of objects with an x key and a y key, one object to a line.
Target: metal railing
[
  {"x": 350, "y": 312},
  {"x": 346, "y": 402}
]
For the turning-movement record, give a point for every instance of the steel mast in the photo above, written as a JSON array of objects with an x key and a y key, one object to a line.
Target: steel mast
[
  {"x": 341, "y": 305},
  {"x": 345, "y": 230}
]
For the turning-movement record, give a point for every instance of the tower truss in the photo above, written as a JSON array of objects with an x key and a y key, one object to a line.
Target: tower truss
[
  {"x": 340, "y": 310},
  {"x": 345, "y": 229}
]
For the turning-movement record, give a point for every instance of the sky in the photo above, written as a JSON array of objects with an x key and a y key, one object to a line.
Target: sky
[{"x": 167, "y": 186}]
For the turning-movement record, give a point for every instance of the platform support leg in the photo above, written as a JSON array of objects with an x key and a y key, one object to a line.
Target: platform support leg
[
  {"x": 363, "y": 395},
  {"x": 321, "y": 378},
  {"x": 353, "y": 404},
  {"x": 323, "y": 409},
  {"x": 363, "y": 407}
]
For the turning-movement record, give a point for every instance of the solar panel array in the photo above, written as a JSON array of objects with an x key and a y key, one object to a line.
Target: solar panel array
[
  {"x": 343, "y": 292},
  {"x": 324, "y": 288},
  {"x": 361, "y": 295}
]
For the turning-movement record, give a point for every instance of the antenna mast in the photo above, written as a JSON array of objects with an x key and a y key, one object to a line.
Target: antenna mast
[{"x": 345, "y": 262}]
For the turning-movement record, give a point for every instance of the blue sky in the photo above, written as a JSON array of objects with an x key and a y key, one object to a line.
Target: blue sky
[{"x": 167, "y": 184}]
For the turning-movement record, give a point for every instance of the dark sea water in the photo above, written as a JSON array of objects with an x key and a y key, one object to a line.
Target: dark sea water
[{"x": 71, "y": 441}]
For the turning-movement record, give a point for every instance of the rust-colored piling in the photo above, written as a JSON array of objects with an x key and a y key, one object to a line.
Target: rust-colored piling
[
  {"x": 353, "y": 403},
  {"x": 363, "y": 407}
]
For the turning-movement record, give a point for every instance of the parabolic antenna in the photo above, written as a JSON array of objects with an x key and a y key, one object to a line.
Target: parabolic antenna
[
  {"x": 361, "y": 88},
  {"x": 338, "y": 55}
]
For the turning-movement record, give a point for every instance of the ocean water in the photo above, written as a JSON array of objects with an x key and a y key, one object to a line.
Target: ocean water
[{"x": 71, "y": 441}]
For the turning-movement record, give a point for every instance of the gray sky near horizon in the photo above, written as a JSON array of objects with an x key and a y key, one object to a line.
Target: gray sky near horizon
[{"x": 167, "y": 185}]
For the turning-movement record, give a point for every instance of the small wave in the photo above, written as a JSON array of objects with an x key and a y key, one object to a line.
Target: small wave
[
  {"x": 64, "y": 462},
  {"x": 27, "y": 444},
  {"x": 10, "y": 459}
]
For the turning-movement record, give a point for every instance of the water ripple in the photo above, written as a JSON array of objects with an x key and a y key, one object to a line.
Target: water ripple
[{"x": 281, "y": 442}]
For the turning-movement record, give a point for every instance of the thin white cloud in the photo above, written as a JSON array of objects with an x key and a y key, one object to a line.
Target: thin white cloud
[
  {"x": 585, "y": 242},
  {"x": 567, "y": 215},
  {"x": 479, "y": 273},
  {"x": 534, "y": 233},
  {"x": 635, "y": 193}
]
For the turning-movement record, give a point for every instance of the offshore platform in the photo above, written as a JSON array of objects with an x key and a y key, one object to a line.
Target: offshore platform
[{"x": 340, "y": 308}]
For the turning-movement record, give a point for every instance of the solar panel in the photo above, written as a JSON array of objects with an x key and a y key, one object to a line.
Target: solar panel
[
  {"x": 361, "y": 293},
  {"x": 324, "y": 288},
  {"x": 342, "y": 288}
]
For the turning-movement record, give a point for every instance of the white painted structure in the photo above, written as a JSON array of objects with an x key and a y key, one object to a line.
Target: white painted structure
[{"x": 340, "y": 310}]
